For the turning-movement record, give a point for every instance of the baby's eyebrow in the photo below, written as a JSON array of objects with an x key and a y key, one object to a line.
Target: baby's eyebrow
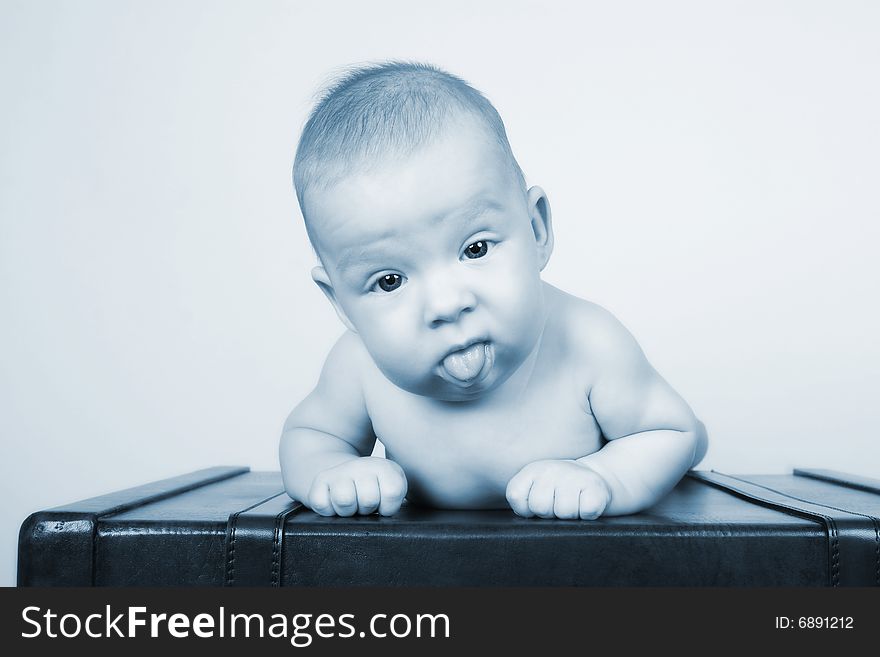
[
  {"x": 473, "y": 209},
  {"x": 357, "y": 258}
]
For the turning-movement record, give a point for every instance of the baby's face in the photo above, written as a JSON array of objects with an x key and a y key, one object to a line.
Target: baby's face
[{"x": 435, "y": 259}]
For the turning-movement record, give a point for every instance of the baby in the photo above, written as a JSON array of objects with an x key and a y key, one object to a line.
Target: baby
[{"x": 487, "y": 386}]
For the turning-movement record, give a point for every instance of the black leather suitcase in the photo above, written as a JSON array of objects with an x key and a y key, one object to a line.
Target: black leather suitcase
[{"x": 228, "y": 526}]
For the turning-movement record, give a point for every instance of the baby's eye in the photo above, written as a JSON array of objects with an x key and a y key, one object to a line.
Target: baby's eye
[
  {"x": 476, "y": 250},
  {"x": 389, "y": 282}
]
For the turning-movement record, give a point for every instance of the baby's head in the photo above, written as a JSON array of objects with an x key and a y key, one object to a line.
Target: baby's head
[{"x": 430, "y": 245}]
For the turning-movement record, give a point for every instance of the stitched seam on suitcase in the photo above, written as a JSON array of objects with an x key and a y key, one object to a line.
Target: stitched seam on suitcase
[
  {"x": 835, "y": 553},
  {"x": 800, "y": 499},
  {"x": 230, "y": 551},
  {"x": 95, "y": 551},
  {"x": 874, "y": 520},
  {"x": 830, "y": 527},
  {"x": 145, "y": 501},
  {"x": 276, "y": 548},
  {"x": 277, "y": 552},
  {"x": 877, "y": 553},
  {"x": 166, "y": 494},
  {"x": 829, "y": 522},
  {"x": 839, "y": 479},
  {"x": 770, "y": 502}
]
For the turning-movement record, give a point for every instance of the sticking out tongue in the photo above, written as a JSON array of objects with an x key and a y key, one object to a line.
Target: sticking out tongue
[{"x": 464, "y": 365}]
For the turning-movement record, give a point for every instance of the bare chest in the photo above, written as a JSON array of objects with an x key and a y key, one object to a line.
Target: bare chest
[{"x": 463, "y": 455}]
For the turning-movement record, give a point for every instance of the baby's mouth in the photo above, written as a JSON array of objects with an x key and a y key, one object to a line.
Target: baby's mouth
[{"x": 465, "y": 366}]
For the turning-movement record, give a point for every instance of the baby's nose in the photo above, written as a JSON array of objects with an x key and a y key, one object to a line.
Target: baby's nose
[{"x": 446, "y": 301}]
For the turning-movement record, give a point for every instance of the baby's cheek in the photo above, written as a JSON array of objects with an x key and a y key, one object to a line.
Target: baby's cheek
[
  {"x": 386, "y": 334},
  {"x": 518, "y": 300},
  {"x": 405, "y": 365},
  {"x": 517, "y": 275}
]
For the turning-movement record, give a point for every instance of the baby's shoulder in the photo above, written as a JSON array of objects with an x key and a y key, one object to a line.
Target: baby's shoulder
[
  {"x": 347, "y": 359},
  {"x": 590, "y": 332}
]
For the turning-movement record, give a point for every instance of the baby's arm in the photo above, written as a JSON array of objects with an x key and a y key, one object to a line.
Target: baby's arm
[
  {"x": 653, "y": 439},
  {"x": 326, "y": 441}
]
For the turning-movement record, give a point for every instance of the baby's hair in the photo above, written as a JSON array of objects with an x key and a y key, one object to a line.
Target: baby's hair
[{"x": 380, "y": 108}]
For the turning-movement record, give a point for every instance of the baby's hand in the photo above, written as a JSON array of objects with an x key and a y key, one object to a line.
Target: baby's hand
[
  {"x": 361, "y": 486},
  {"x": 561, "y": 489}
]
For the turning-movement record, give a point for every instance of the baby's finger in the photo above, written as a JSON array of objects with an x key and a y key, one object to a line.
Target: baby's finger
[
  {"x": 565, "y": 502},
  {"x": 541, "y": 498},
  {"x": 590, "y": 505},
  {"x": 517, "y": 494},
  {"x": 343, "y": 497},
  {"x": 392, "y": 490},
  {"x": 319, "y": 498},
  {"x": 367, "y": 494}
]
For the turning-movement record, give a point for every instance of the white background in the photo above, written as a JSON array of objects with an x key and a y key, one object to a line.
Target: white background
[{"x": 712, "y": 167}]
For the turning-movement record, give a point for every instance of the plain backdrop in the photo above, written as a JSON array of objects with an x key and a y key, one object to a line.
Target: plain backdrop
[{"x": 712, "y": 168}]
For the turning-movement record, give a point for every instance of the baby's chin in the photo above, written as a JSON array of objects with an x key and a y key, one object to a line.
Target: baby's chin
[{"x": 450, "y": 392}]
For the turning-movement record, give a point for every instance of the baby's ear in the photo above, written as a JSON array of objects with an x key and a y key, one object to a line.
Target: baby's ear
[
  {"x": 319, "y": 275},
  {"x": 542, "y": 225}
]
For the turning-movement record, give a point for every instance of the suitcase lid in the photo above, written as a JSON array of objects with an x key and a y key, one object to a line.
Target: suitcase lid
[{"x": 250, "y": 517}]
